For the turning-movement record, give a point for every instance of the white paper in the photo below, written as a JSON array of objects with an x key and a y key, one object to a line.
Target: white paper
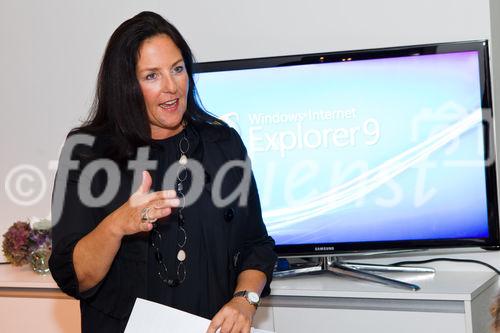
[{"x": 151, "y": 317}]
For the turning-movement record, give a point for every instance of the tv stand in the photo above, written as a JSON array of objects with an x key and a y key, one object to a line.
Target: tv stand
[{"x": 360, "y": 271}]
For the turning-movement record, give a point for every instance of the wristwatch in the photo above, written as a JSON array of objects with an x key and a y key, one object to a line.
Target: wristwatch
[{"x": 252, "y": 297}]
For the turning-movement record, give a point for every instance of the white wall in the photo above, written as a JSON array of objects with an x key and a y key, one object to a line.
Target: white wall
[{"x": 50, "y": 53}]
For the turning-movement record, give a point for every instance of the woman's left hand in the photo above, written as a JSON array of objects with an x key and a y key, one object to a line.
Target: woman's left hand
[{"x": 235, "y": 317}]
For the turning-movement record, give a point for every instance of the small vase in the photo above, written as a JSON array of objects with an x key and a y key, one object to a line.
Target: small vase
[{"x": 39, "y": 260}]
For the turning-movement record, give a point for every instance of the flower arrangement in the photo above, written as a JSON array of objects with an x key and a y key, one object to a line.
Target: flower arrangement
[{"x": 24, "y": 239}]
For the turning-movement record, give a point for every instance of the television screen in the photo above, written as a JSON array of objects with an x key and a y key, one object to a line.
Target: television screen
[{"x": 366, "y": 150}]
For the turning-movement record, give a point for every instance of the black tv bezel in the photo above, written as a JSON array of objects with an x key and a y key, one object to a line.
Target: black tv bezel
[{"x": 481, "y": 46}]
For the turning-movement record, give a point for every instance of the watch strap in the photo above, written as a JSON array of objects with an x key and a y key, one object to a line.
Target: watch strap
[{"x": 241, "y": 293}]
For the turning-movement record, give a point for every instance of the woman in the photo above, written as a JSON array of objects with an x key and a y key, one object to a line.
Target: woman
[
  {"x": 495, "y": 314},
  {"x": 125, "y": 225}
]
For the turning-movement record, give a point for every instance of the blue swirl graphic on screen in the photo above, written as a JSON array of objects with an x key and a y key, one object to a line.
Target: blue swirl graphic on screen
[{"x": 360, "y": 186}]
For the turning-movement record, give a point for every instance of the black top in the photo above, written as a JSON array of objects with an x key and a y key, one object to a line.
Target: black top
[{"x": 222, "y": 240}]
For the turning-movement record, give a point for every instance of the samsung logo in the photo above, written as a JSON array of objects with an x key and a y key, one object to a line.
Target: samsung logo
[{"x": 324, "y": 248}]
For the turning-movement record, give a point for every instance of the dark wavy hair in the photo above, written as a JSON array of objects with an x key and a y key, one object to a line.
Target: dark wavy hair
[{"x": 119, "y": 110}]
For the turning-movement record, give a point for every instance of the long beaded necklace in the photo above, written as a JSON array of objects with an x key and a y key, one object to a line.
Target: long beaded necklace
[{"x": 156, "y": 237}]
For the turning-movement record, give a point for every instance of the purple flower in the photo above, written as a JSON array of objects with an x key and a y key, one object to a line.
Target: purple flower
[
  {"x": 39, "y": 238},
  {"x": 16, "y": 247}
]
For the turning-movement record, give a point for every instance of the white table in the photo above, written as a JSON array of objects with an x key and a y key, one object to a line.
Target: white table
[
  {"x": 33, "y": 303},
  {"x": 448, "y": 302}
]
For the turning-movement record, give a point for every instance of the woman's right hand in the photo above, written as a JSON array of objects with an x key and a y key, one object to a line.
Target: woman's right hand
[{"x": 128, "y": 219}]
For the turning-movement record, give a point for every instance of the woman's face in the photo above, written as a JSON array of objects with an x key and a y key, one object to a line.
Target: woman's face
[{"x": 164, "y": 83}]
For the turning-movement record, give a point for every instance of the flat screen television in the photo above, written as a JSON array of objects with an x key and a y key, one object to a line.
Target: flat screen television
[{"x": 364, "y": 150}]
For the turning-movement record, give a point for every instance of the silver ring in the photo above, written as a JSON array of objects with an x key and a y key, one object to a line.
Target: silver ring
[{"x": 145, "y": 215}]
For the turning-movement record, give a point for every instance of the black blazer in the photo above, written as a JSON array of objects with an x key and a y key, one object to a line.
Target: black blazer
[{"x": 242, "y": 239}]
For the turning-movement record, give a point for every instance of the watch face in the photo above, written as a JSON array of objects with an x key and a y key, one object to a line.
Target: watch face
[{"x": 253, "y": 297}]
